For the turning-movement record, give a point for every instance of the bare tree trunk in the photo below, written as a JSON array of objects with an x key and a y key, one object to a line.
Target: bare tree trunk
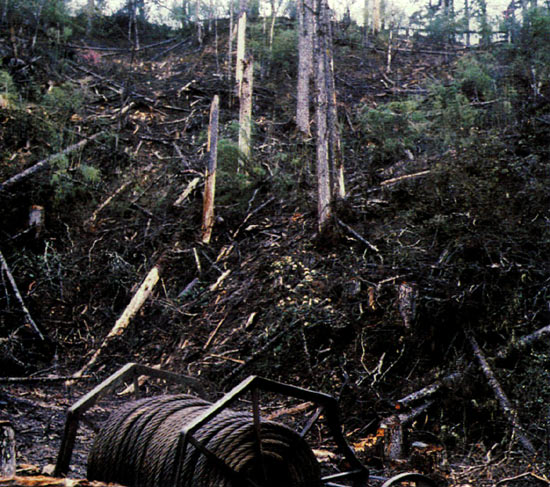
[
  {"x": 38, "y": 16},
  {"x": 335, "y": 149},
  {"x": 366, "y": 18},
  {"x": 241, "y": 44},
  {"x": 245, "y": 111},
  {"x": 376, "y": 13},
  {"x": 324, "y": 194},
  {"x": 200, "y": 33},
  {"x": 305, "y": 64},
  {"x": 210, "y": 185},
  {"x": 274, "y": 10},
  {"x": 230, "y": 42},
  {"x": 90, "y": 9}
]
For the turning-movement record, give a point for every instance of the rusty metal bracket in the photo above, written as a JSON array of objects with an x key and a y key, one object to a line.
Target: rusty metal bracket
[{"x": 130, "y": 371}]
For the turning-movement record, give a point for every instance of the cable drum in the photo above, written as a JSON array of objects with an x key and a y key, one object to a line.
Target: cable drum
[{"x": 137, "y": 447}]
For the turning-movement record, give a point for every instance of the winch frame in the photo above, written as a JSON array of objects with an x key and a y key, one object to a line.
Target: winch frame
[{"x": 326, "y": 406}]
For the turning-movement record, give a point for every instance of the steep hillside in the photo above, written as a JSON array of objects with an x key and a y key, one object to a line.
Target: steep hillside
[{"x": 442, "y": 242}]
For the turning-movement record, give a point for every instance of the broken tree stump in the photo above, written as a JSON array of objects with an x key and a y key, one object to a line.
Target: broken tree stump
[{"x": 7, "y": 450}]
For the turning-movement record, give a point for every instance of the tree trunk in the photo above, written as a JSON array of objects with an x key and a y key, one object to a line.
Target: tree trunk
[
  {"x": 245, "y": 111},
  {"x": 210, "y": 185},
  {"x": 241, "y": 44},
  {"x": 90, "y": 9},
  {"x": 338, "y": 187},
  {"x": 230, "y": 42},
  {"x": 324, "y": 197},
  {"x": 376, "y": 11},
  {"x": 305, "y": 64}
]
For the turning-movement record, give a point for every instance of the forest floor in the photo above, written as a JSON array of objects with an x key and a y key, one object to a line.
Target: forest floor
[{"x": 268, "y": 296}]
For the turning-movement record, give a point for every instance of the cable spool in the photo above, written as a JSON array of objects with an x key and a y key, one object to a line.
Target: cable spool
[{"x": 137, "y": 447}]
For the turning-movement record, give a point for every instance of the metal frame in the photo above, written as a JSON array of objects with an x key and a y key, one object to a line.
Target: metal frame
[
  {"x": 326, "y": 405},
  {"x": 130, "y": 371}
]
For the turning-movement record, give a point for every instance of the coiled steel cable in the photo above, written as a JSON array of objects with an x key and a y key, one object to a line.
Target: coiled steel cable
[{"x": 137, "y": 447}]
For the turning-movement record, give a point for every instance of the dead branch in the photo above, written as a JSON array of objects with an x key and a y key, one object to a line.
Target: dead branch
[
  {"x": 454, "y": 377},
  {"x": 431, "y": 389},
  {"x": 122, "y": 323},
  {"x": 523, "y": 475},
  {"x": 357, "y": 235},
  {"x": 121, "y": 49},
  {"x": 28, "y": 317},
  {"x": 119, "y": 190},
  {"x": 44, "y": 163},
  {"x": 406, "y": 176},
  {"x": 35, "y": 380},
  {"x": 524, "y": 342},
  {"x": 188, "y": 190},
  {"x": 506, "y": 406}
]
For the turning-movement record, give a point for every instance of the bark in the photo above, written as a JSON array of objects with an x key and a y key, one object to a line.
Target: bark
[
  {"x": 7, "y": 450},
  {"x": 210, "y": 184},
  {"x": 391, "y": 429},
  {"x": 230, "y": 41},
  {"x": 376, "y": 16},
  {"x": 245, "y": 110},
  {"x": 335, "y": 150},
  {"x": 274, "y": 10},
  {"x": 507, "y": 408},
  {"x": 324, "y": 198},
  {"x": 305, "y": 64},
  {"x": 241, "y": 44}
]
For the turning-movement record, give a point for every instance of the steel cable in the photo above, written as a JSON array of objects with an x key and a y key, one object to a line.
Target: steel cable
[{"x": 137, "y": 447}]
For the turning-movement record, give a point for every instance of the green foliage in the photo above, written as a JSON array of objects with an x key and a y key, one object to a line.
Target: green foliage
[
  {"x": 63, "y": 101},
  {"x": 393, "y": 128},
  {"x": 282, "y": 58},
  {"x": 8, "y": 90},
  {"x": 68, "y": 182},
  {"x": 451, "y": 114},
  {"x": 474, "y": 76},
  {"x": 442, "y": 28}
]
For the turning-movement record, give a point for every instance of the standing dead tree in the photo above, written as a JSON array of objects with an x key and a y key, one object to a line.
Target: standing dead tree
[
  {"x": 245, "y": 108},
  {"x": 305, "y": 64},
  {"x": 330, "y": 173},
  {"x": 210, "y": 185}
]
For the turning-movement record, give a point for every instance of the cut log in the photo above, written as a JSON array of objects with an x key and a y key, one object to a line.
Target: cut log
[{"x": 122, "y": 323}]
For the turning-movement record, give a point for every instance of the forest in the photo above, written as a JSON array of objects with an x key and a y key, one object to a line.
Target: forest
[{"x": 351, "y": 199}]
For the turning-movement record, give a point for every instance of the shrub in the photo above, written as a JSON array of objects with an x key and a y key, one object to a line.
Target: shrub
[{"x": 393, "y": 128}]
